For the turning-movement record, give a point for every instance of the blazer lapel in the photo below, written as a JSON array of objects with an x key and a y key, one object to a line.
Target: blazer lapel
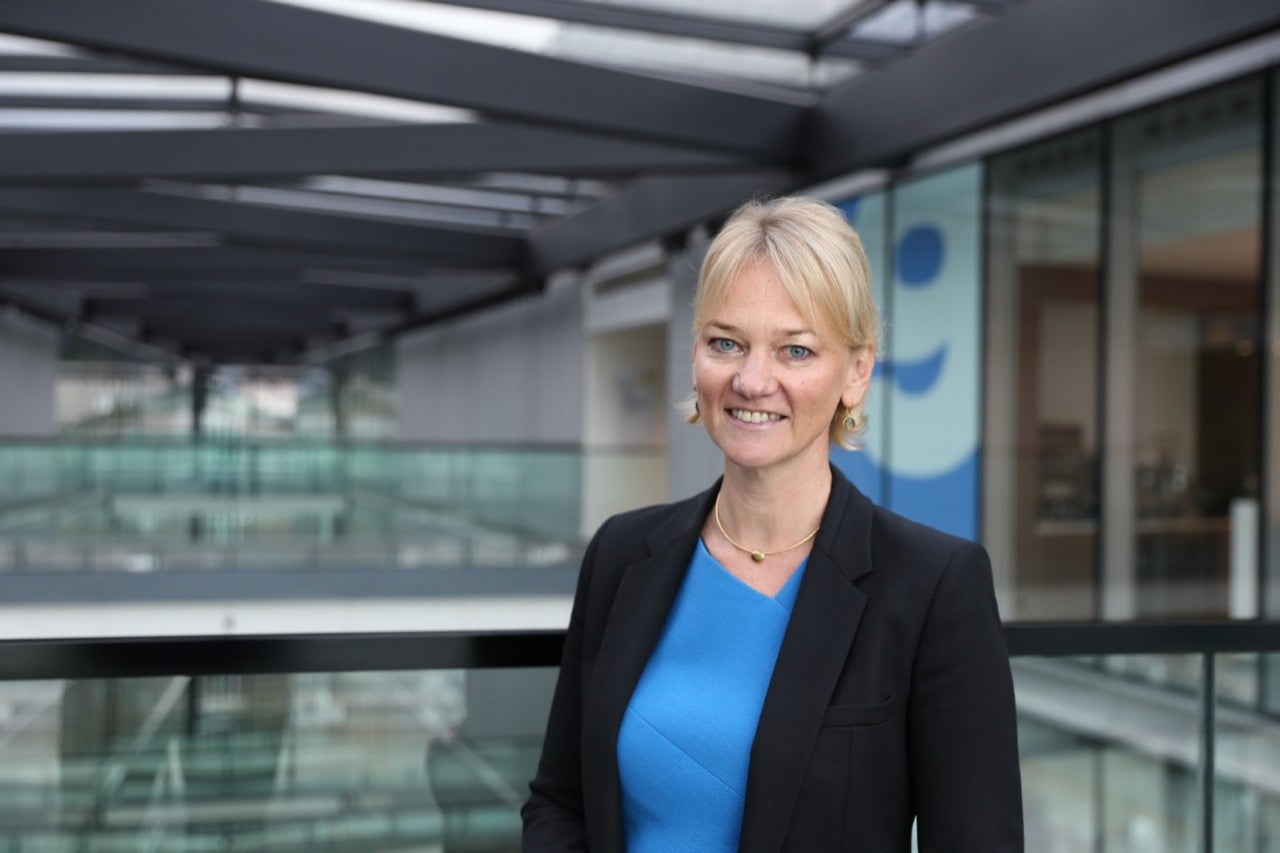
[
  {"x": 639, "y": 612},
  {"x": 823, "y": 623}
]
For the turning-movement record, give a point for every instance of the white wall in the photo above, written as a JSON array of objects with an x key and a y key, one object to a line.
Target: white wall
[
  {"x": 28, "y": 370},
  {"x": 513, "y": 374},
  {"x": 625, "y": 375}
]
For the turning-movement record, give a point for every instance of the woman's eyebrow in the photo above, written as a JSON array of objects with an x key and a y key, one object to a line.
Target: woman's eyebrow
[{"x": 782, "y": 333}]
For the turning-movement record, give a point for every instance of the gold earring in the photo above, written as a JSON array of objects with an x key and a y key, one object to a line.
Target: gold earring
[{"x": 850, "y": 420}]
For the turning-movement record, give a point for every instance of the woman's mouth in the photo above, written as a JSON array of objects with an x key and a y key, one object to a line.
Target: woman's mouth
[{"x": 750, "y": 417}]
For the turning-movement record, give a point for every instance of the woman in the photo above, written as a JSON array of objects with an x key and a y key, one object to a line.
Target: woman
[{"x": 778, "y": 664}]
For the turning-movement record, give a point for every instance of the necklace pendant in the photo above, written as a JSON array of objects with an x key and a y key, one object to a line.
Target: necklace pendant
[{"x": 758, "y": 556}]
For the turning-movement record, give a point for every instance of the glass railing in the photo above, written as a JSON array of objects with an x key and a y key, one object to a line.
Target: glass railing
[
  {"x": 1149, "y": 737},
  {"x": 1133, "y": 738},
  {"x": 171, "y": 505},
  {"x": 298, "y": 745}
]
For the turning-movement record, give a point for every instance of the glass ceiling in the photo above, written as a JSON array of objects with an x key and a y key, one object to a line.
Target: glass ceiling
[
  {"x": 784, "y": 51},
  {"x": 713, "y": 42},
  {"x": 257, "y": 216}
]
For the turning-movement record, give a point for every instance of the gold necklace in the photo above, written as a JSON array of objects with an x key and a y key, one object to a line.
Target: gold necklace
[{"x": 758, "y": 556}]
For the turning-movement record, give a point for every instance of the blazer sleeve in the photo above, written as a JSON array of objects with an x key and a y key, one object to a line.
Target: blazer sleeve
[
  {"x": 963, "y": 732},
  {"x": 553, "y": 813}
]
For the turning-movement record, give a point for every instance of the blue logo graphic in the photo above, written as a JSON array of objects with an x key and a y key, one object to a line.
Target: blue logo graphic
[
  {"x": 921, "y": 457},
  {"x": 913, "y": 377},
  {"x": 920, "y": 256}
]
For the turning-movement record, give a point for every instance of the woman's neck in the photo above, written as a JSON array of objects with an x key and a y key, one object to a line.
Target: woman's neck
[{"x": 776, "y": 509}]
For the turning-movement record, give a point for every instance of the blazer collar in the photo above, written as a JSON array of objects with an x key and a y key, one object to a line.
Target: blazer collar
[{"x": 816, "y": 644}]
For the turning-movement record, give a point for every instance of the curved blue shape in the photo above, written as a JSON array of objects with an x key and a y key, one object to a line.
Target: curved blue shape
[
  {"x": 920, "y": 255},
  {"x": 914, "y": 377},
  {"x": 947, "y": 500}
]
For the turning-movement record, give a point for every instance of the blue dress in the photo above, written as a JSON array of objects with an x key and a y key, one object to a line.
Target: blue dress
[{"x": 684, "y": 746}]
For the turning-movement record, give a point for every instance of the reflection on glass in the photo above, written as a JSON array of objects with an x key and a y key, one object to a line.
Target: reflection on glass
[
  {"x": 1247, "y": 761},
  {"x": 1109, "y": 762},
  {"x": 1189, "y": 172},
  {"x": 1043, "y": 232},
  {"x": 103, "y": 393},
  {"x": 163, "y": 504},
  {"x": 435, "y": 760}
]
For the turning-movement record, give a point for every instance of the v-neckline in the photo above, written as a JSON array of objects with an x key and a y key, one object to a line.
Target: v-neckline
[{"x": 785, "y": 596}]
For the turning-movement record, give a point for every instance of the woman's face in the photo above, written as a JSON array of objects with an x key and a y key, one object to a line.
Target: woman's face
[{"x": 767, "y": 382}]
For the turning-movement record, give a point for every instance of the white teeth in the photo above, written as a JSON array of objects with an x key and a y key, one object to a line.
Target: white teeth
[{"x": 754, "y": 417}]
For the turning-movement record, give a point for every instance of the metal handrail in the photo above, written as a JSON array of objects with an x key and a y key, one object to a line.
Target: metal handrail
[{"x": 128, "y": 657}]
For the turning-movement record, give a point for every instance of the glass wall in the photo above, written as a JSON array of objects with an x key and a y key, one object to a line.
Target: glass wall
[
  {"x": 1183, "y": 367},
  {"x": 1041, "y": 487},
  {"x": 1123, "y": 475},
  {"x": 101, "y": 392}
]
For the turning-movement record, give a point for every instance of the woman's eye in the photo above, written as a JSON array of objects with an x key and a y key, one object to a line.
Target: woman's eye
[
  {"x": 723, "y": 345},
  {"x": 795, "y": 351}
]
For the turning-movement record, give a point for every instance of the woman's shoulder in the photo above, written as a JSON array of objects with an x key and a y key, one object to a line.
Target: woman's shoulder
[
  {"x": 636, "y": 528},
  {"x": 936, "y": 575},
  {"x": 911, "y": 550},
  {"x": 891, "y": 530},
  {"x": 893, "y": 539}
]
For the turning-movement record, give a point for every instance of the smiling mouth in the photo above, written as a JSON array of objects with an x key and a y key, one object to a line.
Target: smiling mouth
[{"x": 747, "y": 416}]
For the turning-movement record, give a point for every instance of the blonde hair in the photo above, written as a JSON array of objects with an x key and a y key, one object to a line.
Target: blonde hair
[{"x": 818, "y": 258}]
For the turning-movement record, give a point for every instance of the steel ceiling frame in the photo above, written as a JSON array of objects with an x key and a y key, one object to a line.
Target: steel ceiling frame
[{"x": 661, "y": 155}]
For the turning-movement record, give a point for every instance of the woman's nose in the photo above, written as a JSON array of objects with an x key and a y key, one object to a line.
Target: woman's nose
[{"x": 755, "y": 378}]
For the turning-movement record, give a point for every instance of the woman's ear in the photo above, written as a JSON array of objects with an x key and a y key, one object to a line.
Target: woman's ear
[{"x": 864, "y": 362}]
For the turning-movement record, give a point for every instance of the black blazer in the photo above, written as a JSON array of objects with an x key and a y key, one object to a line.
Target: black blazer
[{"x": 891, "y": 697}]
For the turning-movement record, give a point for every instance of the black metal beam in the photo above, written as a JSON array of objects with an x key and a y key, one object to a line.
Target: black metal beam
[
  {"x": 873, "y": 52},
  {"x": 650, "y": 207},
  {"x": 264, "y": 154},
  {"x": 427, "y": 301},
  {"x": 279, "y": 42},
  {"x": 135, "y": 657},
  {"x": 268, "y": 295},
  {"x": 1029, "y": 57},
  {"x": 230, "y": 351},
  {"x": 194, "y": 263},
  {"x": 271, "y": 225},
  {"x": 252, "y": 332},
  {"x": 134, "y": 103},
  {"x": 436, "y": 301},
  {"x": 87, "y": 65},
  {"x": 253, "y": 337},
  {"x": 1076, "y": 639},
  {"x": 302, "y": 314}
]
